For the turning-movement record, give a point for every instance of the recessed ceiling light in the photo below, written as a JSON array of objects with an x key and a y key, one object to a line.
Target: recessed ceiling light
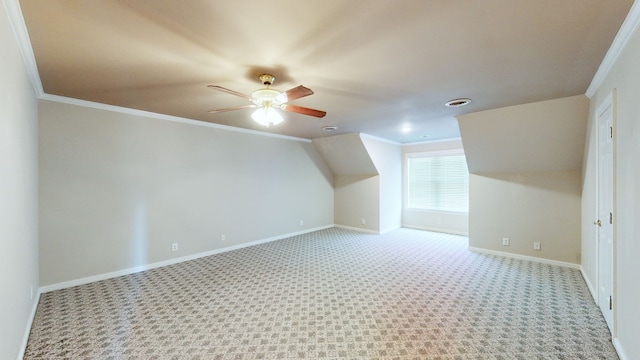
[
  {"x": 329, "y": 128},
  {"x": 458, "y": 102}
]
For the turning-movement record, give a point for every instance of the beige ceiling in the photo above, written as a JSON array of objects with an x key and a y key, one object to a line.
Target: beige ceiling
[{"x": 376, "y": 66}]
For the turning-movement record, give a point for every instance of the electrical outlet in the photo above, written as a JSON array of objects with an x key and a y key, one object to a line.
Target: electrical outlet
[
  {"x": 363, "y": 221},
  {"x": 505, "y": 241},
  {"x": 174, "y": 247},
  {"x": 223, "y": 237},
  {"x": 301, "y": 223},
  {"x": 536, "y": 245}
]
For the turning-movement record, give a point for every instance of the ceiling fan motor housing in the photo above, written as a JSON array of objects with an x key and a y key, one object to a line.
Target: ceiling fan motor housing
[{"x": 267, "y": 79}]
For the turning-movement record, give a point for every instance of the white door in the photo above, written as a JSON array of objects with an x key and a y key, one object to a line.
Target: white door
[{"x": 605, "y": 215}]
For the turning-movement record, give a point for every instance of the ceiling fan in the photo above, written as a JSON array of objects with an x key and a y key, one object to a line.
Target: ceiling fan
[{"x": 267, "y": 100}]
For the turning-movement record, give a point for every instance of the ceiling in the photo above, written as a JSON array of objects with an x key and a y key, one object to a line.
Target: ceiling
[{"x": 379, "y": 67}]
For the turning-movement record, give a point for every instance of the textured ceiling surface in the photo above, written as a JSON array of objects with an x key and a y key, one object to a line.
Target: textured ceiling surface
[{"x": 380, "y": 67}]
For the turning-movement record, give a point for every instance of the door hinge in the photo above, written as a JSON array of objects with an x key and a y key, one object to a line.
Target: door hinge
[
  {"x": 611, "y": 132},
  {"x": 610, "y": 218},
  {"x": 610, "y": 302}
]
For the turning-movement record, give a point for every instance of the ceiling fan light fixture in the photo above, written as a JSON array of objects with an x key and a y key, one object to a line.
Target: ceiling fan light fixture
[
  {"x": 458, "y": 102},
  {"x": 267, "y": 100},
  {"x": 265, "y": 96},
  {"x": 266, "y": 116}
]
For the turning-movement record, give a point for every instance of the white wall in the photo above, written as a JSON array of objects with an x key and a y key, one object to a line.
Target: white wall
[
  {"x": 356, "y": 181},
  {"x": 18, "y": 195},
  {"x": 541, "y": 136},
  {"x": 526, "y": 208},
  {"x": 367, "y": 178},
  {"x": 387, "y": 158},
  {"x": 431, "y": 220},
  {"x": 526, "y": 182},
  {"x": 623, "y": 77},
  {"x": 346, "y": 154},
  {"x": 117, "y": 190},
  {"x": 357, "y": 197}
]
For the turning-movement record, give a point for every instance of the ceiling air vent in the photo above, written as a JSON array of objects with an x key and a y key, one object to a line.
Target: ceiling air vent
[{"x": 458, "y": 102}]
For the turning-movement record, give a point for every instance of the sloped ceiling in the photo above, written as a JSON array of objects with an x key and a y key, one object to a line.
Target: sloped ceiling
[
  {"x": 542, "y": 136},
  {"x": 346, "y": 155},
  {"x": 379, "y": 67}
]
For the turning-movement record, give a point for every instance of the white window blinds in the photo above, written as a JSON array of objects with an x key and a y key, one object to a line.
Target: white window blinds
[{"x": 438, "y": 182}]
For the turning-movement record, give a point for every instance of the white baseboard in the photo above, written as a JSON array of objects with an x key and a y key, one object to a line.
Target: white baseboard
[
  {"x": 384, "y": 231},
  {"x": 67, "y": 284},
  {"x": 587, "y": 280},
  {"x": 439, "y": 230},
  {"x": 524, "y": 257},
  {"x": 357, "y": 229},
  {"x": 27, "y": 331},
  {"x": 619, "y": 350},
  {"x": 100, "y": 277},
  {"x": 369, "y": 231},
  {"x": 616, "y": 342}
]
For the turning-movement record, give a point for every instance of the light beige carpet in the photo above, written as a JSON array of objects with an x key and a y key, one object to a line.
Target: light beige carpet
[{"x": 330, "y": 294}]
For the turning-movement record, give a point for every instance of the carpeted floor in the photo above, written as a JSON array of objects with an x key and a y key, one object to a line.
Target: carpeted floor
[{"x": 330, "y": 294}]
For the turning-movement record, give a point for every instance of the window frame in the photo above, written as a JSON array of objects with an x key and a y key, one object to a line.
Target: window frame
[{"x": 424, "y": 154}]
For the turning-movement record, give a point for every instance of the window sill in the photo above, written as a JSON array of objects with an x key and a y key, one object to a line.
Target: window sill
[{"x": 437, "y": 211}]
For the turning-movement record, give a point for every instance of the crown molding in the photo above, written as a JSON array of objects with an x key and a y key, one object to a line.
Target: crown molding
[
  {"x": 152, "y": 115},
  {"x": 364, "y": 135},
  {"x": 629, "y": 26},
  {"x": 457, "y": 138},
  {"x": 16, "y": 20}
]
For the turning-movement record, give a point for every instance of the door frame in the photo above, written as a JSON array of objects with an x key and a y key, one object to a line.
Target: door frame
[{"x": 609, "y": 101}]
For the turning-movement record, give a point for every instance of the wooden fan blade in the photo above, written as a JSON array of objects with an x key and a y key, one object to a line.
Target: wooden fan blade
[
  {"x": 295, "y": 93},
  {"x": 229, "y": 91},
  {"x": 232, "y": 109},
  {"x": 303, "y": 110}
]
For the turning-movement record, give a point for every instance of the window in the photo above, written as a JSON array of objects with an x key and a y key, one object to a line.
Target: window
[{"x": 438, "y": 181}]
